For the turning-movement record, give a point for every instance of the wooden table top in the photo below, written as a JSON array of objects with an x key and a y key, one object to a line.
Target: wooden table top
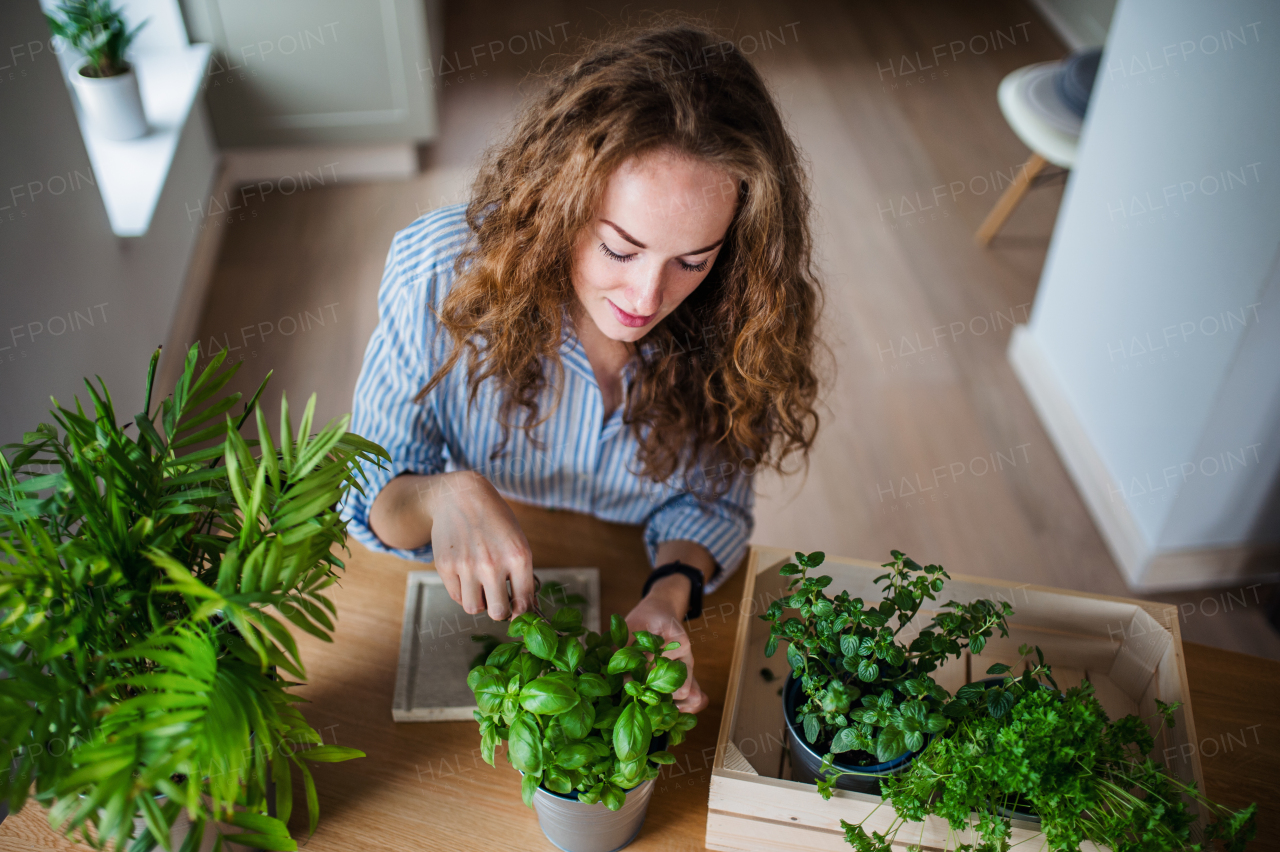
[{"x": 423, "y": 785}]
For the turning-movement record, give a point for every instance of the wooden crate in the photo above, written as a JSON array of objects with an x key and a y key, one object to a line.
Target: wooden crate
[{"x": 1130, "y": 650}]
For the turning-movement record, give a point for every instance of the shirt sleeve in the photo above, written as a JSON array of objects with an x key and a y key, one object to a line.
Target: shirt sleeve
[
  {"x": 395, "y": 368},
  {"x": 722, "y": 526}
]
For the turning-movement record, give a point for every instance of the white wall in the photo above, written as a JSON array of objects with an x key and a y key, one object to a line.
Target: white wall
[
  {"x": 57, "y": 252},
  {"x": 1157, "y": 321}
]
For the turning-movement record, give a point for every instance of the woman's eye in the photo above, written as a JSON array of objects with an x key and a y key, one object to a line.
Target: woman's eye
[
  {"x": 698, "y": 267},
  {"x": 613, "y": 255}
]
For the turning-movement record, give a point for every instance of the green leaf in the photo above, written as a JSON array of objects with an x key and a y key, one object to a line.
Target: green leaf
[
  {"x": 625, "y": 660},
  {"x": 844, "y": 741},
  {"x": 811, "y": 728},
  {"x": 647, "y": 641},
  {"x": 868, "y": 671},
  {"x": 999, "y": 702},
  {"x": 613, "y": 797},
  {"x": 525, "y": 745},
  {"x": 329, "y": 754},
  {"x": 540, "y": 639},
  {"x": 618, "y": 630},
  {"x": 631, "y": 733},
  {"x": 567, "y": 619},
  {"x": 575, "y": 756},
  {"x": 998, "y": 668},
  {"x": 529, "y": 786},
  {"x": 667, "y": 675},
  {"x": 548, "y": 697},
  {"x": 593, "y": 686},
  {"x": 577, "y": 721}
]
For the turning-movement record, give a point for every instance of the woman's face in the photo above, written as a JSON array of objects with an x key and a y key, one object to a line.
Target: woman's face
[{"x": 654, "y": 238}]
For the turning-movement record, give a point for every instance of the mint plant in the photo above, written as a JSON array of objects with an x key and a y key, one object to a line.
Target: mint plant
[
  {"x": 866, "y": 689},
  {"x": 579, "y": 712},
  {"x": 1087, "y": 778}
]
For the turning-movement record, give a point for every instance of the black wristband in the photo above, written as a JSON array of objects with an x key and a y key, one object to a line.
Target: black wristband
[{"x": 696, "y": 580}]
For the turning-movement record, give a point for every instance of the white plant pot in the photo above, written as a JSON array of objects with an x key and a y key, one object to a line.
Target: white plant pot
[{"x": 111, "y": 105}]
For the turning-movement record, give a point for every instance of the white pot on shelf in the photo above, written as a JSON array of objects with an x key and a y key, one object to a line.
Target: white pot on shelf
[{"x": 111, "y": 105}]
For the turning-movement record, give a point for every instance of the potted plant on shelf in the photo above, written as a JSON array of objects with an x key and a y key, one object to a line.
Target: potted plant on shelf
[
  {"x": 586, "y": 719},
  {"x": 860, "y": 702},
  {"x": 147, "y": 567},
  {"x": 105, "y": 83},
  {"x": 1020, "y": 747}
]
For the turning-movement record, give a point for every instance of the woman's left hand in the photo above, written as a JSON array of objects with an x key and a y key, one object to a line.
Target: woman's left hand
[{"x": 662, "y": 612}]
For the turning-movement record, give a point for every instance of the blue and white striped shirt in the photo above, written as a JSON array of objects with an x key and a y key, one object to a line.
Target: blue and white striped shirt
[{"x": 584, "y": 464}]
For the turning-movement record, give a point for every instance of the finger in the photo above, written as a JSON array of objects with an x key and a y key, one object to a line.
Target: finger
[
  {"x": 472, "y": 595},
  {"x": 522, "y": 591},
  {"x": 696, "y": 699},
  {"x": 495, "y": 593},
  {"x": 449, "y": 576}
]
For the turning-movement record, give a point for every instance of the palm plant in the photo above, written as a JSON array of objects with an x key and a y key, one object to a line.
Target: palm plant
[{"x": 142, "y": 652}]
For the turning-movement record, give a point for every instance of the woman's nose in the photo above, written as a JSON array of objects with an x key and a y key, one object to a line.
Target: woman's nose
[{"x": 646, "y": 293}]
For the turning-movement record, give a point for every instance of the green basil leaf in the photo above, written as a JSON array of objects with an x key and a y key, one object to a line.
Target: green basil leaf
[
  {"x": 607, "y": 719},
  {"x": 520, "y": 622},
  {"x": 567, "y": 619},
  {"x": 475, "y": 675},
  {"x": 631, "y": 733},
  {"x": 528, "y": 786},
  {"x": 664, "y": 758},
  {"x": 490, "y": 692},
  {"x": 577, "y": 721},
  {"x": 647, "y": 641},
  {"x": 502, "y": 655},
  {"x": 525, "y": 745},
  {"x": 613, "y": 797},
  {"x": 625, "y": 660},
  {"x": 618, "y": 630},
  {"x": 667, "y": 675},
  {"x": 593, "y": 686},
  {"x": 575, "y": 756},
  {"x": 555, "y": 780},
  {"x": 541, "y": 640},
  {"x": 548, "y": 697}
]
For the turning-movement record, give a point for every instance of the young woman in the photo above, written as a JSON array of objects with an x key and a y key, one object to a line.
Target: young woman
[{"x": 620, "y": 322}]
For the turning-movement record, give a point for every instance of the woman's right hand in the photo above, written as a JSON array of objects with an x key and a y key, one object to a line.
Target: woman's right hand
[{"x": 478, "y": 543}]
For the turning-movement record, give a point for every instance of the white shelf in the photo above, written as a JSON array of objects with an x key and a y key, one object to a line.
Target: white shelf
[{"x": 131, "y": 174}]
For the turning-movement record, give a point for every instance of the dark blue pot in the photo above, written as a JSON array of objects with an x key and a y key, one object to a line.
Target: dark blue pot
[{"x": 806, "y": 762}]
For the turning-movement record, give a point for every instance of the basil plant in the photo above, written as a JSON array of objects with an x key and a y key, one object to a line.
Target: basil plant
[
  {"x": 579, "y": 712},
  {"x": 866, "y": 688}
]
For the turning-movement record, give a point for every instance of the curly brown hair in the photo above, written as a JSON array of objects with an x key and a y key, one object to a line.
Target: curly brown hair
[{"x": 747, "y": 399}]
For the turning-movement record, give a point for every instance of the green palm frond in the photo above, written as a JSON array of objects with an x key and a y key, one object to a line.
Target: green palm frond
[{"x": 150, "y": 573}]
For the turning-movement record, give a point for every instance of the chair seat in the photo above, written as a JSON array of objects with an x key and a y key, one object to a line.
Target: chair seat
[{"x": 1036, "y": 113}]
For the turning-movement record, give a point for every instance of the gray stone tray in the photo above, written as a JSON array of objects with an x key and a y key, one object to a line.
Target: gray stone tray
[{"x": 436, "y": 649}]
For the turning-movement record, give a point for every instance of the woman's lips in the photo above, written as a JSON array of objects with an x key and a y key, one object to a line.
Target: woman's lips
[{"x": 629, "y": 320}]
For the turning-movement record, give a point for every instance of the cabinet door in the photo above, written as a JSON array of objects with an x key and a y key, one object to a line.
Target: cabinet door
[{"x": 299, "y": 72}]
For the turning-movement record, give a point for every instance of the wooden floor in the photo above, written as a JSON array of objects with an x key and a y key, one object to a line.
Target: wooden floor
[{"x": 928, "y": 443}]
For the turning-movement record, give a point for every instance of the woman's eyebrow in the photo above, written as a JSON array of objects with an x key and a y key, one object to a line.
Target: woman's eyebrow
[{"x": 639, "y": 244}]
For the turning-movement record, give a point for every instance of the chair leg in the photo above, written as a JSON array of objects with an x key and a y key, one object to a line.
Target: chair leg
[{"x": 1009, "y": 200}]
